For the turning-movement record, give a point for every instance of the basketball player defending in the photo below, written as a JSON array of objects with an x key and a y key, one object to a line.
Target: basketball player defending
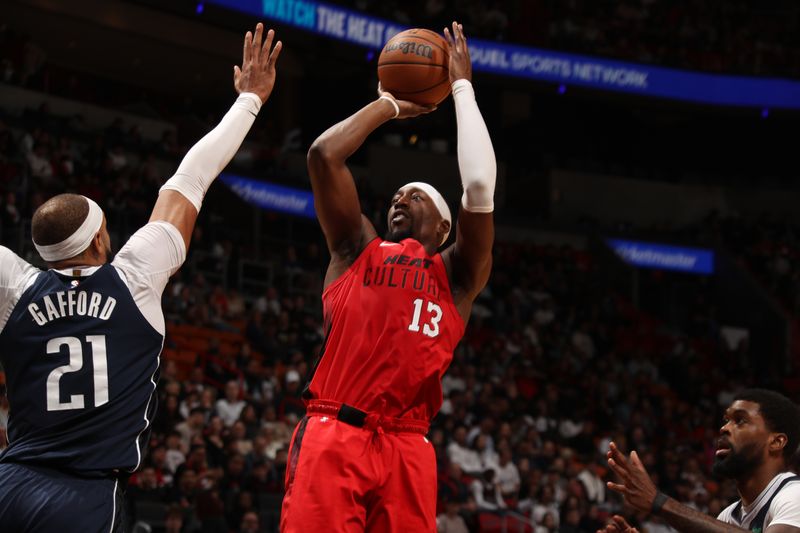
[
  {"x": 80, "y": 342},
  {"x": 394, "y": 311}
]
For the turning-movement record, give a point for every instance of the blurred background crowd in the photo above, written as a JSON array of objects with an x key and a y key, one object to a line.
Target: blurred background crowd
[{"x": 567, "y": 348}]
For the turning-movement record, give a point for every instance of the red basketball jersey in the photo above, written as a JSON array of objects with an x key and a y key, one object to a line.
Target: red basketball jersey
[{"x": 392, "y": 328}]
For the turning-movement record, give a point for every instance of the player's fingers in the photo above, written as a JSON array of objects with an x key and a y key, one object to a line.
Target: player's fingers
[
  {"x": 635, "y": 461},
  {"x": 620, "y": 522},
  {"x": 237, "y": 72},
  {"x": 616, "y": 454},
  {"x": 276, "y": 51},
  {"x": 462, "y": 40},
  {"x": 265, "y": 53},
  {"x": 455, "y": 36},
  {"x": 257, "y": 42},
  {"x": 248, "y": 48},
  {"x": 617, "y": 487},
  {"x": 448, "y": 38},
  {"x": 621, "y": 473}
]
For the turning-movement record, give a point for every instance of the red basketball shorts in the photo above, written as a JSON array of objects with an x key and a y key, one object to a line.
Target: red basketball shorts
[{"x": 342, "y": 478}]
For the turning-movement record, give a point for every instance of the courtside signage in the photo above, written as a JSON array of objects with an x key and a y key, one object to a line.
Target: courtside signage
[
  {"x": 664, "y": 257},
  {"x": 270, "y": 196},
  {"x": 544, "y": 65}
]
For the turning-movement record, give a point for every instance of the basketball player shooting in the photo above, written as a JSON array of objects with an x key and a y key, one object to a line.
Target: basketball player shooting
[
  {"x": 80, "y": 342},
  {"x": 394, "y": 310}
]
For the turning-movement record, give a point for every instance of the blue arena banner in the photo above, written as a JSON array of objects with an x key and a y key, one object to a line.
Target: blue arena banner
[
  {"x": 271, "y": 197},
  {"x": 537, "y": 64},
  {"x": 664, "y": 257}
]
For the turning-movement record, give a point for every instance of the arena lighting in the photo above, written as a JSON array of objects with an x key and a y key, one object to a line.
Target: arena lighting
[
  {"x": 764, "y": 113},
  {"x": 370, "y": 55},
  {"x": 562, "y": 89},
  {"x": 538, "y": 64},
  {"x": 199, "y": 9}
]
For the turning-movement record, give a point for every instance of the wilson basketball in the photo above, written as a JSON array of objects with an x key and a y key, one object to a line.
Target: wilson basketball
[{"x": 413, "y": 66}]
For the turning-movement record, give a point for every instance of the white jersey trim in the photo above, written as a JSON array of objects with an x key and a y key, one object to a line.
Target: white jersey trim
[{"x": 113, "y": 506}]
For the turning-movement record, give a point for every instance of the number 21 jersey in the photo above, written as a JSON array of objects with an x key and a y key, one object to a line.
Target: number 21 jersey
[
  {"x": 81, "y": 354},
  {"x": 391, "y": 328}
]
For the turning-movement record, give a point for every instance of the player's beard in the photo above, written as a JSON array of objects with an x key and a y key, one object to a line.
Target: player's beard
[
  {"x": 738, "y": 463},
  {"x": 398, "y": 234}
]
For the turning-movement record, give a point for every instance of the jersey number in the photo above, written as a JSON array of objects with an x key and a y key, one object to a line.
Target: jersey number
[
  {"x": 431, "y": 329},
  {"x": 75, "y": 350}
]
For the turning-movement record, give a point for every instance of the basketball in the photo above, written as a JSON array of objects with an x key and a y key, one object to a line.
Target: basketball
[{"x": 413, "y": 66}]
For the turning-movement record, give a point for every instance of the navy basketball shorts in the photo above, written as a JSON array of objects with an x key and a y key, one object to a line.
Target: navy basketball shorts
[{"x": 41, "y": 500}]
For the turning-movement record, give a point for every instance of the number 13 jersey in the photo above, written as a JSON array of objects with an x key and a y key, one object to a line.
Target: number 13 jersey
[{"x": 391, "y": 328}]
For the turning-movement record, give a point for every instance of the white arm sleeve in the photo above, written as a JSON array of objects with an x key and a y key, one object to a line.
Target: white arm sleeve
[
  {"x": 206, "y": 159},
  {"x": 476, "y": 161},
  {"x": 146, "y": 262},
  {"x": 16, "y": 275}
]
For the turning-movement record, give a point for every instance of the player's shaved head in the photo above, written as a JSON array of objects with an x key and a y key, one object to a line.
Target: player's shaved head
[{"x": 58, "y": 218}]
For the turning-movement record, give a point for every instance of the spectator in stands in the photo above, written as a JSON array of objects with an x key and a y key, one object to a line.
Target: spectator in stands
[
  {"x": 191, "y": 427},
  {"x": 464, "y": 456},
  {"x": 173, "y": 522},
  {"x": 249, "y": 523},
  {"x": 507, "y": 475},
  {"x": 486, "y": 492},
  {"x": 230, "y": 407},
  {"x": 450, "y": 521},
  {"x": 290, "y": 401}
]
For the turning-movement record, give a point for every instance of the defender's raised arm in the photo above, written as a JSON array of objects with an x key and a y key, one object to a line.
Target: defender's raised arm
[{"x": 182, "y": 195}]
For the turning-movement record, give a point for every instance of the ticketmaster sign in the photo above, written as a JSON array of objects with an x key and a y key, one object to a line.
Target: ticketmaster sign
[
  {"x": 270, "y": 196},
  {"x": 664, "y": 257},
  {"x": 545, "y": 65}
]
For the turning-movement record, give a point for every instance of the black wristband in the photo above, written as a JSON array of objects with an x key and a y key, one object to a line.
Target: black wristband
[{"x": 658, "y": 502}]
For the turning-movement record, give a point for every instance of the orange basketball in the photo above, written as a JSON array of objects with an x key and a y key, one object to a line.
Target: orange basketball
[{"x": 413, "y": 66}]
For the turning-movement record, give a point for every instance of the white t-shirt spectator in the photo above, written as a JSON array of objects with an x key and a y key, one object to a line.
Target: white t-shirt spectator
[
  {"x": 229, "y": 411},
  {"x": 508, "y": 477},
  {"x": 467, "y": 458},
  {"x": 450, "y": 524},
  {"x": 174, "y": 459},
  {"x": 491, "y": 502}
]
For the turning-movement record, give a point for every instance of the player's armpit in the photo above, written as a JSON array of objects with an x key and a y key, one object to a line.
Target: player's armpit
[{"x": 176, "y": 209}]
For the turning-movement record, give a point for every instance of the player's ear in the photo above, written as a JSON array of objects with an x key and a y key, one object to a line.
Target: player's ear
[
  {"x": 777, "y": 442},
  {"x": 444, "y": 226},
  {"x": 97, "y": 246}
]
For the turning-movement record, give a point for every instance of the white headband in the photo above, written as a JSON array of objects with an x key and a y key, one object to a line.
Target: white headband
[
  {"x": 78, "y": 241},
  {"x": 438, "y": 201}
]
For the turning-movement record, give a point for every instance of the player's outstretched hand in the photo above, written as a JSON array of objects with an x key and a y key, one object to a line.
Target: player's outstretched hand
[
  {"x": 460, "y": 64},
  {"x": 407, "y": 109},
  {"x": 257, "y": 73},
  {"x": 635, "y": 484},
  {"x": 617, "y": 524}
]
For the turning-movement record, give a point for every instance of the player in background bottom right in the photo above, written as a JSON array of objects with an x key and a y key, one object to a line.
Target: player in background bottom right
[{"x": 757, "y": 442}]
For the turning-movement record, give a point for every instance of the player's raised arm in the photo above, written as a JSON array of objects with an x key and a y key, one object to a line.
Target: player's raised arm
[
  {"x": 182, "y": 195},
  {"x": 335, "y": 196},
  {"x": 471, "y": 256}
]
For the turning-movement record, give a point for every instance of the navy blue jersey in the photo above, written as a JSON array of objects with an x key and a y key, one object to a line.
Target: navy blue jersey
[
  {"x": 81, "y": 349},
  {"x": 80, "y": 361}
]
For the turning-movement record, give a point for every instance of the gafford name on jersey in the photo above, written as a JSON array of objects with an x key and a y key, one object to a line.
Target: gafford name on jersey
[{"x": 72, "y": 303}]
